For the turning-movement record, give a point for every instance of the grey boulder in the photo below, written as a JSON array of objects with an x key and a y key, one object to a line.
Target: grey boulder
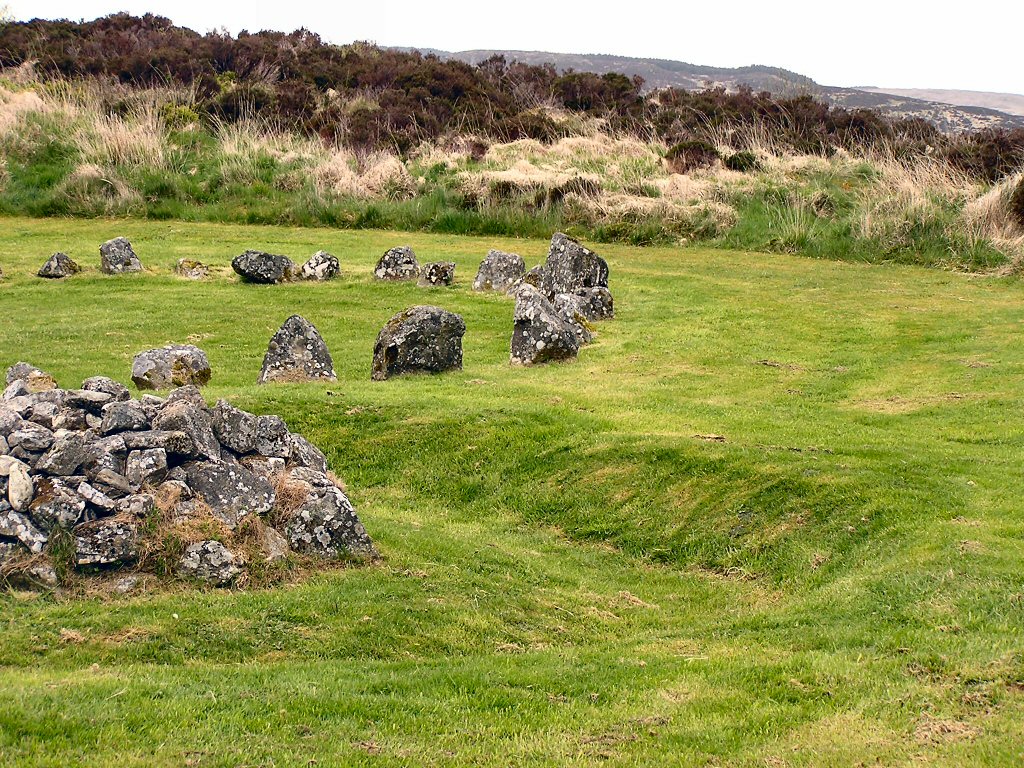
[
  {"x": 325, "y": 523},
  {"x": 230, "y": 490},
  {"x": 117, "y": 257},
  {"x": 499, "y": 271},
  {"x": 297, "y": 352},
  {"x": 321, "y": 266},
  {"x": 115, "y": 389},
  {"x": 397, "y": 264},
  {"x": 437, "y": 274},
  {"x": 540, "y": 334},
  {"x": 422, "y": 339},
  {"x": 59, "y": 265},
  {"x": 107, "y": 541},
  {"x": 209, "y": 561},
  {"x": 262, "y": 267},
  {"x": 571, "y": 266},
  {"x": 175, "y": 365},
  {"x": 597, "y": 303}
]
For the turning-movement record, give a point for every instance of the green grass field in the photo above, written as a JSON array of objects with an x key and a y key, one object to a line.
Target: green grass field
[{"x": 772, "y": 517}]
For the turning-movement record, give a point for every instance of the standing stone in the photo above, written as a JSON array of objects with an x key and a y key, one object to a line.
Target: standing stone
[
  {"x": 397, "y": 264},
  {"x": 176, "y": 365},
  {"x": 571, "y": 266},
  {"x": 191, "y": 269},
  {"x": 499, "y": 271},
  {"x": 321, "y": 266},
  {"x": 209, "y": 561},
  {"x": 117, "y": 256},
  {"x": 437, "y": 274},
  {"x": 266, "y": 268},
  {"x": 297, "y": 352},
  {"x": 423, "y": 339},
  {"x": 540, "y": 335},
  {"x": 59, "y": 265},
  {"x": 597, "y": 303}
]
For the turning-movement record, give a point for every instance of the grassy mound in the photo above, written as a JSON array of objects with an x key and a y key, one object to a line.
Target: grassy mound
[{"x": 770, "y": 516}]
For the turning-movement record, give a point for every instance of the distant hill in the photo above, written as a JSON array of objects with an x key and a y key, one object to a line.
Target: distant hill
[{"x": 949, "y": 110}]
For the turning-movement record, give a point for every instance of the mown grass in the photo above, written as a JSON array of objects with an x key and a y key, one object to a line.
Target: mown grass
[{"x": 771, "y": 517}]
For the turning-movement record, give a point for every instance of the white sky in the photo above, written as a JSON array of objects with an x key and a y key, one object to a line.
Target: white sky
[{"x": 964, "y": 45}]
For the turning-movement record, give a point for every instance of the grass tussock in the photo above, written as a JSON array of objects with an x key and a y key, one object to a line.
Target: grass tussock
[{"x": 93, "y": 149}]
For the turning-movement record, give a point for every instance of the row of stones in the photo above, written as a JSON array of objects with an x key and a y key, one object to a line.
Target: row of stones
[{"x": 94, "y": 461}]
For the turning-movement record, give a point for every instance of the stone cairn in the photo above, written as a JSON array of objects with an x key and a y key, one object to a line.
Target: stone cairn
[{"x": 116, "y": 477}]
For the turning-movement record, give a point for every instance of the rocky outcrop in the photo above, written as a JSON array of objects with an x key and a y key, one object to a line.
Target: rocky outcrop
[
  {"x": 540, "y": 334},
  {"x": 397, "y": 264},
  {"x": 297, "y": 352},
  {"x": 423, "y": 339},
  {"x": 59, "y": 265},
  {"x": 321, "y": 266},
  {"x": 437, "y": 274},
  {"x": 499, "y": 271},
  {"x": 206, "y": 469},
  {"x": 117, "y": 257},
  {"x": 266, "y": 268},
  {"x": 191, "y": 269},
  {"x": 176, "y": 365}
]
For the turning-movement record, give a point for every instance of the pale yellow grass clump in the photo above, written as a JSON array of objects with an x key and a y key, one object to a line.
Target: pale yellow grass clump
[
  {"x": 138, "y": 140},
  {"x": 988, "y": 217}
]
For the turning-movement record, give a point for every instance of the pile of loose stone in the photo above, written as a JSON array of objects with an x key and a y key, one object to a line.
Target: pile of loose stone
[{"x": 119, "y": 473}]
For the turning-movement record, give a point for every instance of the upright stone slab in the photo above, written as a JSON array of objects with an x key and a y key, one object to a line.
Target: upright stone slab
[
  {"x": 59, "y": 265},
  {"x": 421, "y": 339},
  {"x": 397, "y": 264},
  {"x": 540, "y": 334},
  {"x": 176, "y": 365},
  {"x": 499, "y": 271},
  {"x": 297, "y": 352},
  {"x": 570, "y": 266},
  {"x": 117, "y": 257}
]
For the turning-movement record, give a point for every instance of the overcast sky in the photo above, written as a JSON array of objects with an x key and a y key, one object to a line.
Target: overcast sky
[{"x": 963, "y": 45}]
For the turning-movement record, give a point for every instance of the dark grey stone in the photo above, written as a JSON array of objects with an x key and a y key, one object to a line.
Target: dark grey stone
[
  {"x": 437, "y": 274},
  {"x": 265, "y": 268},
  {"x": 540, "y": 335},
  {"x": 234, "y": 428},
  {"x": 230, "y": 490},
  {"x": 325, "y": 523},
  {"x": 183, "y": 416},
  {"x": 305, "y": 454},
  {"x": 211, "y": 562},
  {"x": 59, "y": 265},
  {"x": 115, "y": 389},
  {"x": 117, "y": 256},
  {"x": 397, "y": 264},
  {"x": 146, "y": 467},
  {"x": 297, "y": 352},
  {"x": 125, "y": 416},
  {"x": 571, "y": 266},
  {"x": 499, "y": 271},
  {"x": 108, "y": 541},
  {"x": 422, "y": 339}
]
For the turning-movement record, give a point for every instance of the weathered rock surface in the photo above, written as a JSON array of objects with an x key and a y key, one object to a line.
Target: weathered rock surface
[
  {"x": 230, "y": 490},
  {"x": 597, "y": 303},
  {"x": 234, "y": 428},
  {"x": 192, "y": 419},
  {"x": 437, "y": 274},
  {"x": 146, "y": 466},
  {"x": 125, "y": 416},
  {"x": 422, "y": 339},
  {"x": 325, "y": 523},
  {"x": 209, "y": 561},
  {"x": 321, "y": 266},
  {"x": 15, "y": 525},
  {"x": 172, "y": 366},
  {"x": 499, "y": 271},
  {"x": 540, "y": 334},
  {"x": 109, "y": 541},
  {"x": 571, "y": 308},
  {"x": 397, "y": 264},
  {"x": 56, "y": 503},
  {"x": 59, "y": 265},
  {"x": 266, "y": 268},
  {"x": 191, "y": 269},
  {"x": 570, "y": 266},
  {"x": 115, "y": 389},
  {"x": 34, "y": 379},
  {"x": 117, "y": 256},
  {"x": 297, "y": 352}
]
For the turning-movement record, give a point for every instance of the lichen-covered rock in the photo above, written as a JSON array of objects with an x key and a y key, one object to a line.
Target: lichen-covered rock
[
  {"x": 297, "y": 352},
  {"x": 125, "y": 416},
  {"x": 56, "y": 503},
  {"x": 115, "y": 389},
  {"x": 59, "y": 265},
  {"x": 304, "y": 454},
  {"x": 571, "y": 266},
  {"x": 96, "y": 499},
  {"x": 191, "y": 269},
  {"x": 107, "y": 541},
  {"x": 175, "y": 365},
  {"x": 35, "y": 380},
  {"x": 147, "y": 466},
  {"x": 20, "y": 486},
  {"x": 15, "y": 525},
  {"x": 117, "y": 256},
  {"x": 234, "y": 428},
  {"x": 321, "y": 266},
  {"x": 571, "y": 308},
  {"x": 67, "y": 454},
  {"x": 499, "y": 271},
  {"x": 437, "y": 274},
  {"x": 265, "y": 268},
  {"x": 274, "y": 545},
  {"x": 397, "y": 264},
  {"x": 230, "y": 490},
  {"x": 325, "y": 523},
  {"x": 175, "y": 443},
  {"x": 540, "y": 335},
  {"x": 209, "y": 561},
  {"x": 31, "y": 437},
  {"x": 422, "y": 339},
  {"x": 185, "y": 416},
  {"x": 597, "y": 303},
  {"x": 272, "y": 437}
]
